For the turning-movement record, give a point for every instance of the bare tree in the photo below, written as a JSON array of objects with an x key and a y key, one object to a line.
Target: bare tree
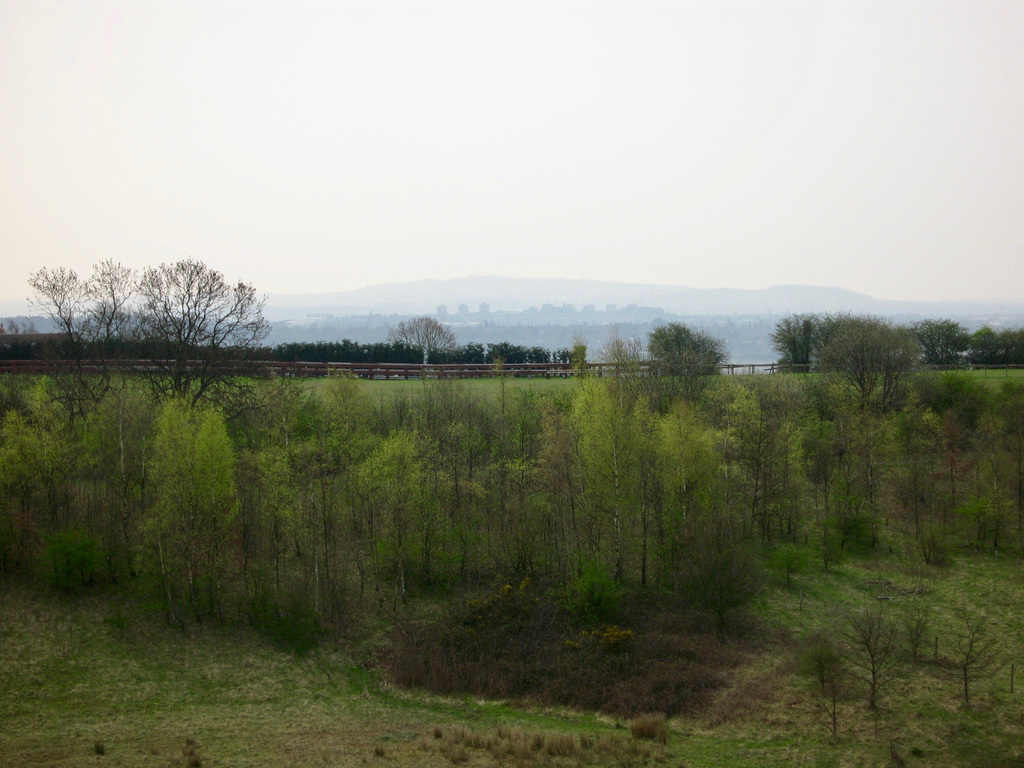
[
  {"x": 871, "y": 641},
  {"x": 424, "y": 333},
  {"x": 823, "y": 662},
  {"x": 916, "y": 621},
  {"x": 976, "y": 655},
  {"x": 200, "y": 330},
  {"x": 91, "y": 316}
]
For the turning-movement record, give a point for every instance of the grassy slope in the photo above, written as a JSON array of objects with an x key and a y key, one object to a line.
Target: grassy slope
[{"x": 74, "y": 671}]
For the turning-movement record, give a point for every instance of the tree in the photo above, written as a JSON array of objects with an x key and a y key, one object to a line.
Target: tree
[
  {"x": 425, "y": 333},
  {"x": 684, "y": 358},
  {"x": 943, "y": 342},
  {"x": 986, "y": 347},
  {"x": 721, "y": 574},
  {"x": 976, "y": 654},
  {"x": 200, "y": 331},
  {"x": 823, "y": 663},
  {"x": 871, "y": 640},
  {"x": 92, "y": 317},
  {"x": 194, "y": 487},
  {"x": 795, "y": 340},
  {"x": 873, "y": 357}
]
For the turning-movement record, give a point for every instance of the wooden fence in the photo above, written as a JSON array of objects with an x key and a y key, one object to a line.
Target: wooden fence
[{"x": 389, "y": 370}]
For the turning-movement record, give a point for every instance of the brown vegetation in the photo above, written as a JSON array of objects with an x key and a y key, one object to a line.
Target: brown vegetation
[{"x": 519, "y": 643}]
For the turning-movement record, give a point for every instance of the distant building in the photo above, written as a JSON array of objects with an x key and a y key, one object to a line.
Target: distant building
[
  {"x": 610, "y": 308},
  {"x": 485, "y": 308},
  {"x": 463, "y": 309},
  {"x": 442, "y": 310},
  {"x": 547, "y": 307},
  {"x": 589, "y": 308},
  {"x": 568, "y": 308}
]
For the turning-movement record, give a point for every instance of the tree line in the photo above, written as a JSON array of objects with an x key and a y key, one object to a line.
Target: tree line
[
  {"x": 314, "y": 500},
  {"x": 803, "y": 340}
]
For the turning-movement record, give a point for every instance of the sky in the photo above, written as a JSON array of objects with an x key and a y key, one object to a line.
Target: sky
[{"x": 313, "y": 147}]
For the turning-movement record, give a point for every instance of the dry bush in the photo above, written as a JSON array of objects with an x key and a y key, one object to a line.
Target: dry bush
[
  {"x": 651, "y": 726},
  {"x": 192, "y": 756},
  {"x": 746, "y": 698},
  {"x": 519, "y": 643},
  {"x": 562, "y": 745},
  {"x": 456, "y": 753}
]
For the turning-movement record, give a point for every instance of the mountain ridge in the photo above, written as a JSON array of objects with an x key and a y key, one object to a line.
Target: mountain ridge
[{"x": 516, "y": 294}]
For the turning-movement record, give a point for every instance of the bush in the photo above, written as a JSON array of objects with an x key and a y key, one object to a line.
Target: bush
[
  {"x": 650, "y": 726},
  {"x": 514, "y": 644},
  {"x": 73, "y": 559},
  {"x": 593, "y": 596},
  {"x": 295, "y": 629}
]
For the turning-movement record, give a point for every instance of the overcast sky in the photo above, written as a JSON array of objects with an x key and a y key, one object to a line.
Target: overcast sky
[{"x": 316, "y": 147}]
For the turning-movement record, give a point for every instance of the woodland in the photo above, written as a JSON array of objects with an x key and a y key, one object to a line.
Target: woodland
[{"x": 609, "y": 544}]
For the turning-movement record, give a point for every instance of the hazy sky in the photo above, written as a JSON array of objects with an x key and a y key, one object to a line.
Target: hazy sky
[{"x": 314, "y": 147}]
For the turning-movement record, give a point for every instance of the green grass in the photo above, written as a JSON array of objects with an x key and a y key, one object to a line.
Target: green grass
[
  {"x": 99, "y": 668},
  {"x": 381, "y": 391}
]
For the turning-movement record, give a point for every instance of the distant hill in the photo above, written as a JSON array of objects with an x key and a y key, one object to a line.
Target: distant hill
[{"x": 517, "y": 294}]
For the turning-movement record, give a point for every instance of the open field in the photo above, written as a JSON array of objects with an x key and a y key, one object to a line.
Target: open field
[
  {"x": 99, "y": 673},
  {"x": 378, "y": 389}
]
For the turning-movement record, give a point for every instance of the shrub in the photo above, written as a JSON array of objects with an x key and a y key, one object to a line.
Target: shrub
[
  {"x": 650, "y": 726},
  {"x": 295, "y": 629},
  {"x": 512, "y": 644},
  {"x": 73, "y": 559},
  {"x": 593, "y": 596},
  {"x": 562, "y": 745}
]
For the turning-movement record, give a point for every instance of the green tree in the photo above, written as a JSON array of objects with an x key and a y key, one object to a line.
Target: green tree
[
  {"x": 873, "y": 357},
  {"x": 986, "y": 347},
  {"x": 402, "y": 513},
  {"x": 943, "y": 342},
  {"x": 610, "y": 435},
  {"x": 690, "y": 484},
  {"x": 195, "y": 504},
  {"x": 763, "y": 446},
  {"x": 684, "y": 360},
  {"x": 795, "y": 340}
]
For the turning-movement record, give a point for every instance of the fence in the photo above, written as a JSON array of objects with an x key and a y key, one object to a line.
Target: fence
[{"x": 299, "y": 369}]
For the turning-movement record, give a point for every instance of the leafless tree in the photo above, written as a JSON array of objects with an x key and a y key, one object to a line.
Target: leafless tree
[
  {"x": 823, "y": 661},
  {"x": 91, "y": 316},
  {"x": 871, "y": 642},
  {"x": 916, "y": 620},
  {"x": 200, "y": 331},
  {"x": 976, "y": 654},
  {"x": 425, "y": 333}
]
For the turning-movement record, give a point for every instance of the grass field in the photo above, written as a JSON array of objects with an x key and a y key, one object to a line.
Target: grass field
[
  {"x": 379, "y": 390},
  {"x": 98, "y": 673}
]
